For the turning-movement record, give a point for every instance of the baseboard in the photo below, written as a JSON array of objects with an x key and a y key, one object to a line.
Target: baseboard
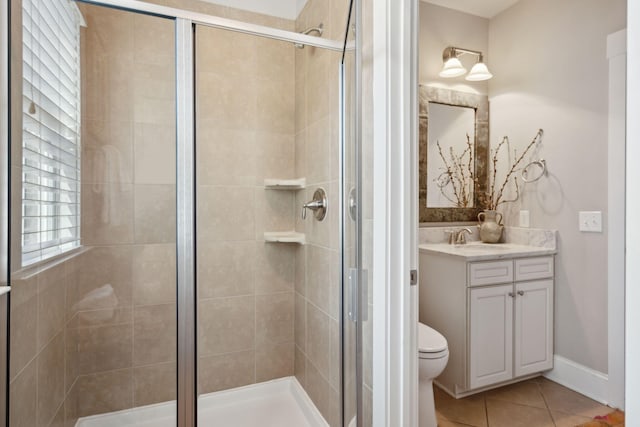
[{"x": 579, "y": 378}]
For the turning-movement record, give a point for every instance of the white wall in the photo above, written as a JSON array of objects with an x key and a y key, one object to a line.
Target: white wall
[
  {"x": 288, "y": 9},
  {"x": 551, "y": 71},
  {"x": 441, "y": 27}
]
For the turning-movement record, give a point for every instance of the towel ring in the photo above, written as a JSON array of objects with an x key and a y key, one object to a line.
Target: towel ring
[{"x": 529, "y": 173}]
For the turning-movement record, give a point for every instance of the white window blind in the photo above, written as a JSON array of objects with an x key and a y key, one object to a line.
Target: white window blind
[{"x": 51, "y": 129}]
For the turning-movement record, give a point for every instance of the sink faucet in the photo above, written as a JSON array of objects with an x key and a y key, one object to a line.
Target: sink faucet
[
  {"x": 457, "y": 237},
  {"x": 461, "y": 239}
]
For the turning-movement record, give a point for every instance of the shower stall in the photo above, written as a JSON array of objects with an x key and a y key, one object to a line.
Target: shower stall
[{"x": 170, "y": 259}]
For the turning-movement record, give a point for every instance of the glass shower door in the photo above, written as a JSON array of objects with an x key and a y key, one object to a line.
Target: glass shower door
[
  {"x": 93, "y": 266},
  {"x": 268, "y": 280},
  {"x": 94, "y": 170}
]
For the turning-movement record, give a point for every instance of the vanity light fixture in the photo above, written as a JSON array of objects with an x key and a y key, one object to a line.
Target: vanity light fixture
[{"x": 454, "y": 68}]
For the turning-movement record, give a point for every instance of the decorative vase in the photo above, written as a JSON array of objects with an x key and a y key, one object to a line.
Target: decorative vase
[{"x": 490, "y": 223}]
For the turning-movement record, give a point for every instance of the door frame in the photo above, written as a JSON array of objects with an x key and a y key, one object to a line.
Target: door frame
[
  {"x": 632, "y": 269},
  {"x": 395, "y": 219}
]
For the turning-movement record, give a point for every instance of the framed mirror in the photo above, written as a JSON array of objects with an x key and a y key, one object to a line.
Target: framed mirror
[{"x": 453, "y": 154}]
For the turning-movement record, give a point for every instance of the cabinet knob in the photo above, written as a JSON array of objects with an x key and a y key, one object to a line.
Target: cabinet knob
[
  {"x": 511, "y": 294},
  {"x": 521, "y": 293}
]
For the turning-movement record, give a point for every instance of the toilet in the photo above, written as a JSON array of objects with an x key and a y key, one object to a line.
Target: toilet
[{"x": 433, "y": 355}]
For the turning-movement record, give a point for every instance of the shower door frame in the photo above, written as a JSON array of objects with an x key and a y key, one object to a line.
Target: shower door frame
[
  {"x": 197, "y": 18},
  {"x": 4, "y": 212},
  {"x": 187, "y": 402}
]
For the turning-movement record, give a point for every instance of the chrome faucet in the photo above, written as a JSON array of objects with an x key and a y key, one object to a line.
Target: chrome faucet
[
  {"x": 457, "y": 237},
  {"x": 461, "y": 239}
]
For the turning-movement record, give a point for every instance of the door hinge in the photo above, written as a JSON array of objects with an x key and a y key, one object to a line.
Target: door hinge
[{"x": 413, "y": 277}]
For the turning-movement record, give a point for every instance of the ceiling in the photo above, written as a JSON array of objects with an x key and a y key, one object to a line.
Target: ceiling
[{"x": 483, "y": 8}]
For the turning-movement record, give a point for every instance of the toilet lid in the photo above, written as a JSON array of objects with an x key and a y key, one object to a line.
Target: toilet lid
[{"x": 430, "y": 340}]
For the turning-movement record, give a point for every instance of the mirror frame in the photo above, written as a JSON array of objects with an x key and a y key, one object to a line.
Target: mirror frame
[{"x": 480, "y": 104}]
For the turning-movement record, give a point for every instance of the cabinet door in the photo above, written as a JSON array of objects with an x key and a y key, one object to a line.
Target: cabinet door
[
  {"x": 490, "y": 335},
  {"x": 533, "y": 327}
]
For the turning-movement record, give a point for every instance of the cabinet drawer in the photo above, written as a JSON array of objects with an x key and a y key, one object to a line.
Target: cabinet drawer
[
  {"x": 534, "y": 268},
  {"x": 490, "y": 273}
]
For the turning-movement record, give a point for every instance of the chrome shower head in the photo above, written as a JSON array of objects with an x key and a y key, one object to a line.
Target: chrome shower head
[{"x": 319, "y": 29}]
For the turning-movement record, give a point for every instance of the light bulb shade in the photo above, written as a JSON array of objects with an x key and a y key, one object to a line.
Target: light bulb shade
[
  {"x": 478, "y": 73},
  {"x": 452, "y": 68}
]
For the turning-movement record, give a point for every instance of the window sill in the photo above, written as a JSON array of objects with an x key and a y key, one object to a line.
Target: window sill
[{"x": 39, "y": 267}]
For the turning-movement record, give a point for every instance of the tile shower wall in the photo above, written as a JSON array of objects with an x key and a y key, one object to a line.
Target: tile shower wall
[
  {"x": 245, "y": 110},
  {"x": 318, "y": 264},
  {"x": 38, "y": 384}
]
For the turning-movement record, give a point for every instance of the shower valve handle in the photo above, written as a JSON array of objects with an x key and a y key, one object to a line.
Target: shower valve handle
[
  {"x": 318, "y": 205},
  {"x": 314, "y": 206}
]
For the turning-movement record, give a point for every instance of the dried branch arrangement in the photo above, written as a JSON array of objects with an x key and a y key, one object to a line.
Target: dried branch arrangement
[
  {"x": 494, "y": 197},
  {"x": 459, "y": 172}
]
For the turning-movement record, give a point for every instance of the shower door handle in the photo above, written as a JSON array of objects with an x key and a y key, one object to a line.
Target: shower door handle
[
  {"x": 358, "y": 295},
  {"x": 353, "y": 294}
]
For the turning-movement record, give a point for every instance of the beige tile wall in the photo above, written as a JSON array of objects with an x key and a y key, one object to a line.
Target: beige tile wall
[
  {"x": 318, "y": 264},
  {"x": 245, "y": 109},
  {"x": 37, "y": 368}
]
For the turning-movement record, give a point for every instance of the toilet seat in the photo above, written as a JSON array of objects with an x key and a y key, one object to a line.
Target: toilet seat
[
  {"x": 431, "y": 356},
  {"x": 431, "y": 343}
]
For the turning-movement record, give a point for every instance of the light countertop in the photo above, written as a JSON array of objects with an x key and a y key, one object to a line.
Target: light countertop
[
  {"x": 478, "y": 251},
  {"x": 4, "y": 289}
]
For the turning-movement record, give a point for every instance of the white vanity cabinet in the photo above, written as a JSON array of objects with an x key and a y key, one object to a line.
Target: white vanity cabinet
[
  {"x": 490, "y": 335},
  {"x": 533, "y": 327},
  {"x": 497, "y": 316}
]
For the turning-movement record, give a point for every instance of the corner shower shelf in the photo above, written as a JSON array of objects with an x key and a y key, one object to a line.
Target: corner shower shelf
[
  {"x": 284, "y": 237},
  {"x": 285, "y": 184}
]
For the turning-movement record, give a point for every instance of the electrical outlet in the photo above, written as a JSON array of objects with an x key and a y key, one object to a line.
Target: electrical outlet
[
  {"x": 590, "y": 221},
  {"x": 524, "y": 219}
]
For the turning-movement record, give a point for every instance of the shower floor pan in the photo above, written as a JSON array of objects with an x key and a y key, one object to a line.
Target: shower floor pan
[{"x": 278, "y": 403}]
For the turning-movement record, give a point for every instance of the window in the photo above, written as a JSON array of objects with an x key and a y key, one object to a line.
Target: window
[{"x": 51, "y": 129}]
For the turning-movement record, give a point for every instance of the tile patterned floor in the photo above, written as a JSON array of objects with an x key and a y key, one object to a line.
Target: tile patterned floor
[{"x": 534, "y": 403}]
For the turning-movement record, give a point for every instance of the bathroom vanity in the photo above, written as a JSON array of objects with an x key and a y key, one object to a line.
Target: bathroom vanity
[{"x": 494, "y": 305}]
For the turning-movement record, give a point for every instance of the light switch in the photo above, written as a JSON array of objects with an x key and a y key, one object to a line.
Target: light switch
[
  {"x": 524, "y": 219},
  {"x": 590, "y": 221}
]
